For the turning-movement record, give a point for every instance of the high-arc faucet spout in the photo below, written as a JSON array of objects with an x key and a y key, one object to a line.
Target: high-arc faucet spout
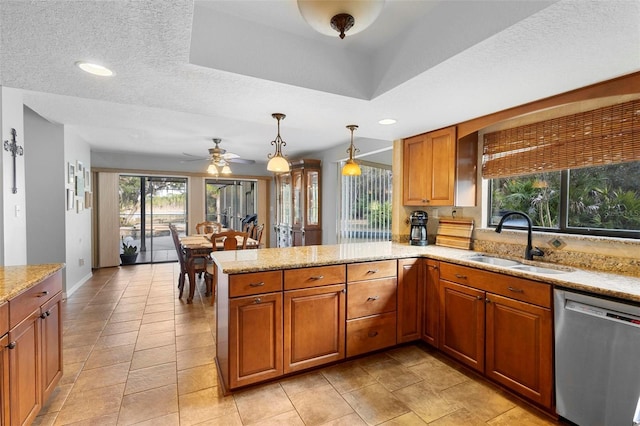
[{"x": 529, "y": 251}]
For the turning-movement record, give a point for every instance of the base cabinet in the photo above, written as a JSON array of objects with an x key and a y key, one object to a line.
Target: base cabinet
[
  {"x": 4, "y": 381},
  {"x": 410, "y": 299},
  {"x": 431, "y": 303}
]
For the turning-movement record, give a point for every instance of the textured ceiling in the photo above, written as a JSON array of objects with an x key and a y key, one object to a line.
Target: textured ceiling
[{"x": 190, "y": 71}]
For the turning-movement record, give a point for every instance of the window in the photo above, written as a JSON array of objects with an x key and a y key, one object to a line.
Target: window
[
  {"x": 602, "y": 200},
  {"x": 365, "y": 207}
]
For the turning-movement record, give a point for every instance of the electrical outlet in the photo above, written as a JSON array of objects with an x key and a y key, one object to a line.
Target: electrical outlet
[{"x": 81, "y": 262}]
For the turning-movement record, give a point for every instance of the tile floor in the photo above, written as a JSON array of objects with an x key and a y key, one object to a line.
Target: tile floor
[{"x": 135, "y": 354}]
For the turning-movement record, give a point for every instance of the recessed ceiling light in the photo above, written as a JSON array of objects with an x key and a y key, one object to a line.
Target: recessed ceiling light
[
  {"x": 94, "y": 69},
  {"x": 387, "y": 121}
]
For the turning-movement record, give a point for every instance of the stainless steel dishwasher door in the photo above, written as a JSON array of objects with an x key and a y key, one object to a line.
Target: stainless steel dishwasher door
[{"x": 597, "y": 348}]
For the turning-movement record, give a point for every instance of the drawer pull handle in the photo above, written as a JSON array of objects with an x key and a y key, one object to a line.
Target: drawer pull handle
[
  {"x": 43, "y": 293},
  {"x": 516, "y": 290},
  {"x": 260, "y": 284},
  {"x": 373, "y": 333},
  {"x": 463, "y": 277},
  {"x": 316, "y": 278},
  {"x": 43, "y": 315},
  {"x": 373, "y": 298},
  {"x": 11, "y": 345},
  {"x": 257, "y": 300},
  {"x": 373, "y": 271}
]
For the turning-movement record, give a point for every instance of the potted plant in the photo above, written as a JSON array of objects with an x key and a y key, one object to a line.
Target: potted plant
[{"x": 129, "y": 253}]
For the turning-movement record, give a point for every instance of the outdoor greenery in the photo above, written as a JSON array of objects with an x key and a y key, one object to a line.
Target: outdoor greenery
[
  {"x": 161, "y": 194},
  {"x": 603, "y": 197}
]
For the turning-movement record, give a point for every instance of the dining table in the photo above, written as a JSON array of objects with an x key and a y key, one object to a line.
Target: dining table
[{"x": 200, "y": 246}]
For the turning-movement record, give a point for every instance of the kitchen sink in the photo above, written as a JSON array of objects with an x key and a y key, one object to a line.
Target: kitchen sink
[
  {"x": 491, "y": 260},
  {"x": 538, "y": 269}
]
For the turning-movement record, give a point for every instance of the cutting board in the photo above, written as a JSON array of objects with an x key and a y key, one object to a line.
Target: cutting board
[{"x": 454, "y": 233}]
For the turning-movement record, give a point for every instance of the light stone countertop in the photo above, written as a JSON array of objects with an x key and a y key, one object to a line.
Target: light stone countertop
[
  {"x": 15, "y": 279},
  {"x": 243, "y": 261}
]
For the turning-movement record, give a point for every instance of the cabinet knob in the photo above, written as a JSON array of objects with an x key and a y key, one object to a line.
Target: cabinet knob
[
  {"x": 43, "y": 293},
  {"x": 11, "y": 345},
  {"x": 516, "y": 290},
  {"x": 479, "y": 297},
  {"x": 260, "y": 284},
  {"x": 257, "y": 300},
  {"x": 43, "y": 315}
]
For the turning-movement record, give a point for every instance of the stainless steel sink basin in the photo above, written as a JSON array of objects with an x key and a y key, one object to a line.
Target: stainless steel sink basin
[
  {"x": 498, "y": 261},
  {"x": 538, "y": 269}
]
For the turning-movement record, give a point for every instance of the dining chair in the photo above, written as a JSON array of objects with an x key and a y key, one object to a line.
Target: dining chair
[
  {"x": 228, "y": 240},
  {"x": 199, "y": 263},
  {"x": 208, "y": 227},
  {"x": 257, "y": 234}
]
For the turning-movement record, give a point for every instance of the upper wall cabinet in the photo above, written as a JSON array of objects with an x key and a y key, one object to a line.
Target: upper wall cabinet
[{"x": 439, "y": 170}]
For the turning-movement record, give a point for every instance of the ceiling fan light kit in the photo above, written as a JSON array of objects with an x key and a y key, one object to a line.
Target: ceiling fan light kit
[
  {"x": 351, "y": 168},
  {"x": 277, "y": 163},
  {"x": 329, "y": 16}
]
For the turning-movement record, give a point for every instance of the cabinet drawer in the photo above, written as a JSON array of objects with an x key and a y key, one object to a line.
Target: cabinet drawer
[
  {"x": 371, "y": 333},
  {"x": 371, "y": 297},
  {"x": 521, "y": 289},
  {"x": 314, "y": 277},
  {"x": 4, "y": 319},
  {"x": 371, "y": 270},
  {"x": 255, "y": 283},
  {"x": 32, "y": 298}
]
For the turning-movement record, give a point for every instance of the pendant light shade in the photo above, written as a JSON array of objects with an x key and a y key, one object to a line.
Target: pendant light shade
[
  {"x": 277, "y": 163},
  {"x": 226, "y": 170},
  {"x": 339, "y": 17},
  {"x": 351, "y": 168},
  {"x": 212, "y": 169}
]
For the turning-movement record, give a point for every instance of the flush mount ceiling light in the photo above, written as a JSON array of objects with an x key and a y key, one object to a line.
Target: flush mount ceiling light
[
  {"x": 277, "y": 163},
  {"x": 387, "y": 121},
  {"x": 351, "y": 168},
  {"x": 329, "y": 16},
  {"x": 94, "y": 69}
]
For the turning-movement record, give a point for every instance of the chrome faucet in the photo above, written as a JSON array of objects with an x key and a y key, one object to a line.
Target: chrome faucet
[{"x": 529, "y": 252}]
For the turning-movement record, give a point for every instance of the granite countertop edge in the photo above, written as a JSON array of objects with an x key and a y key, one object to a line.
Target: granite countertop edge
[
  {"x": 243, "y": 261},
  {"x": 15, "y": 279}
]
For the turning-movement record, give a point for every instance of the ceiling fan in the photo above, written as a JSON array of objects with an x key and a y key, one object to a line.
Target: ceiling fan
[{"x": 219, "y": 159}]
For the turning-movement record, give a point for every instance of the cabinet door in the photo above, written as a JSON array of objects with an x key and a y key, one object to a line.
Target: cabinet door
[
  {"x": 4, "y": 381},
  {"x": 462, "y": 323},
  {"x": 314, "y": 326},
  {"x": 410, "y": 278},
  {"x": 442, "y": 170},
  {"x": 255, "y": 339},
  {"x": 51, "y": 328},
  {"x": 431, "y": 302},
  {"x": 519, "y": 352},
  {"x": 415, "y": 183},
  {"x": 24, "y": 370}
]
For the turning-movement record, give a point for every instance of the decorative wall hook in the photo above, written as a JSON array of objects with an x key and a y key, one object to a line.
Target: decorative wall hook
[{"x": 15, "y": 150}]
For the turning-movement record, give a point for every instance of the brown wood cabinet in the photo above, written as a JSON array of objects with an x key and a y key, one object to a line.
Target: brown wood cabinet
[
  {"x": 501, "y": 326},
  {"x": 431, "y": 302},
  {"x": 4, "y": 380},
  {"x": 410, "y": 299}
]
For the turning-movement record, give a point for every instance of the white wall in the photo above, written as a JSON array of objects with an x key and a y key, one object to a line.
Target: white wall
[
  {"x": 77, "y": 223},
  {"x": 14, "y": 238}
]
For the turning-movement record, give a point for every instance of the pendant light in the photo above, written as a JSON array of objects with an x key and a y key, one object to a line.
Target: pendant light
[
  {"x": 212, "y": 169},
  {"x": 351, "y": 168},
  {"x": 277, "y": 163}
]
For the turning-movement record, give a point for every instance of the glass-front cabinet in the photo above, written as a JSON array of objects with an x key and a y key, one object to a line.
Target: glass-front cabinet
[{"x": 298, "y": 212}]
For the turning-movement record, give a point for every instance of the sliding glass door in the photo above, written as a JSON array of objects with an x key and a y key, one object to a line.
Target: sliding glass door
[
  {"x": 148, "y": 204},
  {"x": 231, "y": 202}
]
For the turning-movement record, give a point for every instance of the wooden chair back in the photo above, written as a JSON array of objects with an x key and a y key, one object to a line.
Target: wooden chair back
[
  {"x": 230, "y": 241},
  {"x": 176, "y": 244},
  {"x": 257, "y": 233},
  {"x": 208, "y": 227}
]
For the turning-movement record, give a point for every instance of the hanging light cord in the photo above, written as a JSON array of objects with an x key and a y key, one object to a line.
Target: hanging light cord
[
  {"x": 278, "y": 142},
  {"x": 352, "y": 149}
]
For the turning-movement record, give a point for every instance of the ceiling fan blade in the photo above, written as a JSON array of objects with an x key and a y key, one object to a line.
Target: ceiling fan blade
[
  {"x": 241, "y": 161},
  {"x": 193, "y": 158}
]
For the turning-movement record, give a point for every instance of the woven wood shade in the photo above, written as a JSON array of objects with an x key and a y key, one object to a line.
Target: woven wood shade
[{"x": 608, "y": 135}]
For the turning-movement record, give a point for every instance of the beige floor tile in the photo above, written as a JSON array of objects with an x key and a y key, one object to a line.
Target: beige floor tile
[
  {"x": 320, "y": 405},
  {"x": 57, "y": 399},
  {"x": 409, "y": 419},
  {"x": 76, "y": 354},
  {"x": 92, "y": 403},
  {"x": 149, "y": 341},
  {"x": 130, "y": 307},
  {"x": 148, "y": 318},
  {"x": 411, "y": 355},
  {"x": 479, "y": 398},
  {"x": 391, "y": 374},
  {"x": 172, "y": 419},
  {"x": 194, "y": 357},
  {"x": 128, "y": 300},
  {"x": 105, "y": 420},
  {"x": 197, "y": 378},
  {"x": 521, "y": 416},
  {"x": 70, "y": 372},
  {"x": 262, "y": 403},
  {"x": 78, "y": 340},
  {"x": 428, "y": 404},
  {"x": 205, "y": 405},
  {"x": 352, "y": 419},
  {"x": 232, "y": 419},
  {"x": 126, "y": 316},
  {"x": 83, "y": 326},
  {"x": 151, "y": 377},
  {"x": 375, "y": 404},
  {"x": 120, "y": 327},
  {"x": 157, "y": 327},
  {"x": 113, "y": 340},
  {"x": 347, "y": 377},
  {"x": 149, "y": 404},
  {"x": 438, "y": 375},
  {"x": 192, "y": 341},
  {"x": 290, "y": 418},
  {"x": 303, "y": 383},
  {"x": 46, "y": 419},
  {"x": 153, "y": 356},
  {"x": 460, "y": 417},
  {"x": 101, "y": 377},
  {"x": 159, "y": 307},
  {"x": 196, "y": 327},
  {"x": 109, "y": 356}
]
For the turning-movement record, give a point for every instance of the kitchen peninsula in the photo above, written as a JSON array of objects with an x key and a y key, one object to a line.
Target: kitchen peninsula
[
  {"x": 31, "y": 338},
  {"x": 285, "y": 310}
]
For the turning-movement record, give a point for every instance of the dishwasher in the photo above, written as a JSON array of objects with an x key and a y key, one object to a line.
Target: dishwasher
[{"x": 597, "y": 360}]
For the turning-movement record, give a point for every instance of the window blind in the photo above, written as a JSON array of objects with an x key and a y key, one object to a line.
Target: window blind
[
  {"x": 602, "y": 136},
  {"x": 365, "y": 205}
]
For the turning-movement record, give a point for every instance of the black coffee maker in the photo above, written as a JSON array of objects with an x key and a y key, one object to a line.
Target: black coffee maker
[{"x": 418, "y": 234}]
